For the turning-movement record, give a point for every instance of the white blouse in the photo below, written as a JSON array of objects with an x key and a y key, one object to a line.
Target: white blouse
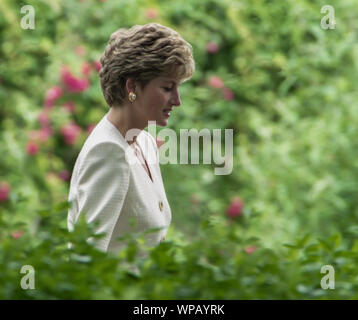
[{"x": 110, "y": 185}]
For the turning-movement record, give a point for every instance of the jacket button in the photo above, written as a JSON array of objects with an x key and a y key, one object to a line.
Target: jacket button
[
  {"x": 163, "y": 238},
  {"x": 161, "y": 205}
]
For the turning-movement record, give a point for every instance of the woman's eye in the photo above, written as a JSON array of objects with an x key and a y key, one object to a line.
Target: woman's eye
[{"x": 167, "y": 89}]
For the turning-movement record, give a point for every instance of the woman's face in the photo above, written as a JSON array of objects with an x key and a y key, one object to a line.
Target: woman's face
[{"x": 157, "y": 99}]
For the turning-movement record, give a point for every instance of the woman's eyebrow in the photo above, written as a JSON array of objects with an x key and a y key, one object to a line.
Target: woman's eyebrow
[{"x": 173, "y": 82}]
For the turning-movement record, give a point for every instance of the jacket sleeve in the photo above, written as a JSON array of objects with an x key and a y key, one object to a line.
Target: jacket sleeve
[{"x": 103, "y": 181}]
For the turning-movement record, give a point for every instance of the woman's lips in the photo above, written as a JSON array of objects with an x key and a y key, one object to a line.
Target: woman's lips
[{"x": 167, "y": 112}]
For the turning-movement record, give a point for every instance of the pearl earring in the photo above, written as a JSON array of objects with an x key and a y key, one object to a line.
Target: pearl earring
[{"x": 132, "y": 96}]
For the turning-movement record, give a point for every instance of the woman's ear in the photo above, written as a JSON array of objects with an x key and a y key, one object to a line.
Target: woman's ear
[{"x": 131, "y": 85}]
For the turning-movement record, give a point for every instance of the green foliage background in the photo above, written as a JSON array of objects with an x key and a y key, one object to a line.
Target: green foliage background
[{"x": 295, "y": 123}]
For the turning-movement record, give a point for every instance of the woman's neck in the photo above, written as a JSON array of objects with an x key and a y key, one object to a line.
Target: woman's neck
[{"x": 123, "y": 121}]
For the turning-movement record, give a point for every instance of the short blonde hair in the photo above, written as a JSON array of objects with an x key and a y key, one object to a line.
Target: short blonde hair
[{"x": 143, "y": 53}]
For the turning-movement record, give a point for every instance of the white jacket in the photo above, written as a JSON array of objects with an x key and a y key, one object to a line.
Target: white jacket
[{"x": 108, "y": 187}]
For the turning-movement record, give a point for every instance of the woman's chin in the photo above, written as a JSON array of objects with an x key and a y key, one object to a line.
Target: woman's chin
[{"x": 162, "y": 123}]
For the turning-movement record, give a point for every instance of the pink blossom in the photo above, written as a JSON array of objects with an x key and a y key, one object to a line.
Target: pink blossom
[
  {"x": 234, "y": 210},
  {"x": 4, "y": 191},
  {"x": 44, "y": 118},
  {"x": 90, "y": 128},
  {"x": 80, "y": 50},
  {"x": 250, "y": 249},
  {"x": 69, "y": 106},
  {"x": 228, "y": 94},
  {"x": 86, "y": 68},
  {"x": 32, "y": 148},
  {"x": 215, "y": 82},
  {"x": 70, "y": 132},
  {"x": 51, "y": 95},
  {"x": 41, "y": 135},
  {"x": 45, "y": 133},
  {"x": 73, "y": 83},
  {"x": 17, "y": 234},
  {"x": 64, "y": 175},
  {"x": 212, "y": 47},
  {"x": 151, "y": 13},
  {"x": 159, "y": 142},
  {"x": 97, "y": 65}
]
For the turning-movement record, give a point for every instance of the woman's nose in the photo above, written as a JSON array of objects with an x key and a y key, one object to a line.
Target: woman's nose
[{"x": 176, "y": 98}]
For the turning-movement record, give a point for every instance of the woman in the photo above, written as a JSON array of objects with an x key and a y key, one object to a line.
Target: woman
[{"x": 142, "y": 68}]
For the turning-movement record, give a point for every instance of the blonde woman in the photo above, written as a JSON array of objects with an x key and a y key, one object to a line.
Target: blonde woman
[{"x": 142, "y": 68}]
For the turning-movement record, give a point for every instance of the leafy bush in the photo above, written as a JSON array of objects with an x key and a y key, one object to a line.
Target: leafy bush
[{"x": 226, "y": 265}]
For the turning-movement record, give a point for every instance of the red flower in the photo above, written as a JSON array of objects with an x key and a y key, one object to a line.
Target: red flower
[
  {"x": 250, "y": 249},
  {"x": 32, "y": 148},
  {"x": 73, "y": 83},
  {"x": 64, "y": 175},
  {"x": 86, "y": 68},
  {"x": 216, "y": 82},
  {"x": 234, "y": 210},
  {"x": 41, "y": 135},
  {"x": 44, "y": 118},
  {"x": 17, "y": 234},
  {"x": 228, "y": 94},
  {"x": 51, "y": 95},
  {"x": 97, "y": 65},
  {"x": 212, "y": 47},
  {"x": 70, "y": 132},
  {"x": 45, "y": 133},
  {"x": 4, "y": 191},
  {"x": 151, "y": 13}
]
